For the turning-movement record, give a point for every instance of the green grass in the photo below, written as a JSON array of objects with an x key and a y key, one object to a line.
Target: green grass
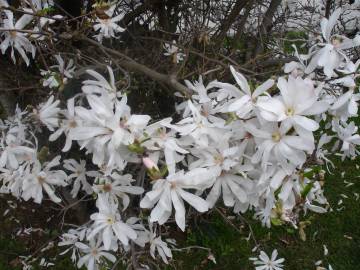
[
  {"x": 338, "y": 230},
  {"x": 332, "y": 229}
]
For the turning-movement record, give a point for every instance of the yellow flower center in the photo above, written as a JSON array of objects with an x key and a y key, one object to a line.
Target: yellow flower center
[
  {"x": 110, "y": 220},
  {"x": 276, "y": 136},
  {"x": 290, "y": 111}
]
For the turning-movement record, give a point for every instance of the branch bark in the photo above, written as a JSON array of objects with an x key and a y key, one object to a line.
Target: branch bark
[
  {"x": 169, "y": 80},
  {"x": 266, "y": 25},
  {"x": 226, "y": 24}
]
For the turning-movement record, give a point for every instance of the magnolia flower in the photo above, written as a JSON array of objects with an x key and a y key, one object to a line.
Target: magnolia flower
[
  {"x": 298, "y": 99},
  {"x": 15, "y": 39},
  {"x": 244, "y": 105},
  {"x": 79, "y": 176},
  {"x": 200, "y": 91},
  {"x": 170, "y": 192},
  {"x": 100, "y": 85},
  {"x": 117, "y": 186},
  {"x": 106, "y": 24},
  {"x": 161, "y": 139},
  {"x": 346, "y": 105},
  {"x": 108, "y": 221},
  {"x": 232, "y": 187},
  {"x": 349, "y": 137},
  {"x": 349, "y": 75},
  {"x": 69, "y": 241},
  {"x": 266, "y": 263},
  {"x": 275, "y": 143},
  {"x": 59, "y": 77},
  {"x": 174, "y": 51},
  {"x": 94, "y": 254},
  {"x": 198, "y": 128},
  {"x": 331, "y": 55},
  {"x": 67, "y": 124},
  {"x": 47, "y": 113},
  {"x": 156, "y": 244},
  {"x": 13, "y": 151},
  {"x": 108, "y": 130},
  {"x": 43, "y": 177}
]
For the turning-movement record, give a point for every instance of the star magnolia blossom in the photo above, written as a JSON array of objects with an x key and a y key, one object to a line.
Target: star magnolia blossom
[
  {"x": 16, "y": 39},
  {"x": 246, "y": 103},
  {"x": 266, "y": 263},
  {"x": 107, "y": 25},
  {"x": 43, "y": 178},
  {"x": 332, "y": 54},
  {"x": 108, "y": 221},
  {"x": 93, "y": 255},
  {"x": 298, "y": 99},
  {"x": 169, "y": 192}
]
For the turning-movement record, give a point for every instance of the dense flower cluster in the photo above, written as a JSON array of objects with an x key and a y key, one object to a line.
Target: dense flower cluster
[{"x": 250, "y": 148}]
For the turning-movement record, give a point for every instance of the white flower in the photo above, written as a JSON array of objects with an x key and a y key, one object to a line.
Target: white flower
[
  {"x": 346, "y": 105},
  {"x": 48, "y": 112},
  {"x": 265, "y": 263},
  {"x": 298, "y": 99},
  {"x": 117, "y": 186},
  {"x": 107, "y": 24},
  {"x": 245, "y": 104},
  {"x": 275, "y": 144},
  {"x": 13, "y": 151},
  {"x": 156, "y": 244},
  {"x": 232, "y": 187},
  {"x": 161, "y": 139},
  {"x": 170, "y": 192},
  {"x": 347, "y": 133},
  {"x": 108, "y": 221},
  {"x": 108, "y": 130},
  {"x": 331, "y": 55},
  {"x": 69, "y": 240},
  {"x": 43, "y": 178},
  {"x": 200, "y": 91},
  {"x": 94, "y": 254},
  {"x": 66, "y": 125},
  {"x": 100, "y": 84},
  {"x": 79, "y": 174},
  {"x": 174, "y": 51},
  {"x": 59, "y": 77},
  {"x": 350, "y": 75},
  {"x": 15, "y": 39}
]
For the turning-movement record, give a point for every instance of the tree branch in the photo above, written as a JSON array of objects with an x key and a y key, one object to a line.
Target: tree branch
[
  {"x": 266, "y": 26},
  {"x": 226, "y": 24},
  {"x": 129, "y": 63}
]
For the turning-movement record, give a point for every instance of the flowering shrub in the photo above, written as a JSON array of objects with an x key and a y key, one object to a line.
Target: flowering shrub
[{"x": 253, "y": 146}]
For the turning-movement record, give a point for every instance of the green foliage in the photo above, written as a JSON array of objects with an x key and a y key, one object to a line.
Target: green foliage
[{"x": 295, "y": 37}]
